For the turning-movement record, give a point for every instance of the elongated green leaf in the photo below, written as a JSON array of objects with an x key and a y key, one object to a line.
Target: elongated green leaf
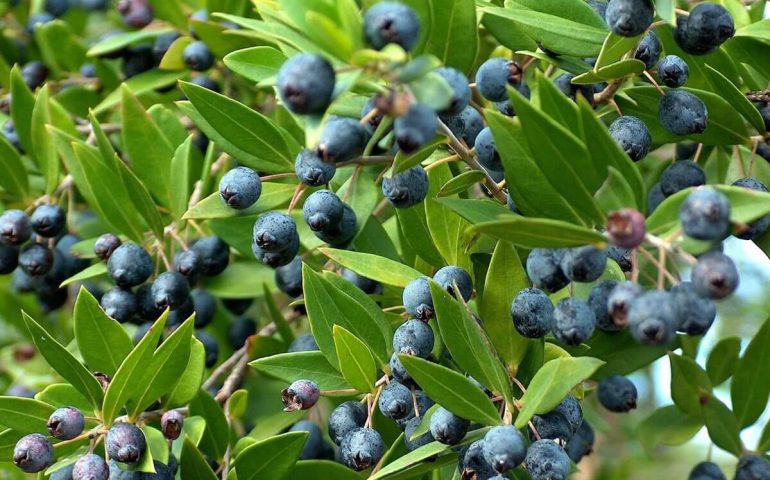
[
  {"x": 190, "y": 380},
  {"x": 375, "y": 267},
  {"x": 723, "y": 359},
  {"x": 690, "y": 385},
  {"x": 414, "y": 227},
  {"x": 119, "y": 41},
  {"x": 22, "y": 105},
  {"x": 192, "y": 464},
  {"x": 64, "y": 395},
  {"x": 759, "y": 30},
  {"x": 142, "y": 200},
  {"x": 179, "y": 189},
  {"x": 356, "y": 361},
  {"x": 461, "y": 183},
  {"x": 453, "y": 36},
  {"x": 477, "y": 211},
  {"x": 736, "y": 98},
  {"x": 615, "y": 193},
  {"x": 404, "y": 161},
  {"x": 42, "y": 143},
  {"x": 125, "y": 382},
  {"x": 245, "y": 134},
  {"x": 552, "y": 383},
  {"x": 217, "y": 433},
  {"x": 668, "y": 426},
  {"x": 323, "y": 470},
  {"x": 540, "y": 232},
  {"x": 15, "y": 179},
  {"x": 298, "y": 365},
  {"x": 64, "y": 363},
  {"x": 505, "y": 278},
  {"x": 452, "y": 390},
  {"x": 93, "y": 271},
  {"x": 274, "y": 195},
  {"x": 24, "y": 415},
  {"x": 270, "y": 459},
  {"x": 614, "y": 47},
  {"x": 255, "y": 63},
  {"x": 722, "y": 426},
  {"x": 445, "y": 227},
  {"x": 750, "y": 389},
  {"x": 102, "y": 341}
]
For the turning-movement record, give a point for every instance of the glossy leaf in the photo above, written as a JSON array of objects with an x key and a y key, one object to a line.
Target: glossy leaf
[
  {"x": 539, "y": 232},
  {"x": 750, "y": 388},
  {"x": 374, "y": 267},
  {"x": 270, "y": 459},
  {"x": 690, "y": 385},
  {"x": 190, "y": 380},
  {"x": 723, "y": 359},
  {"x": 668, "y": 426},
  {"x": 192, "y": 464},
  {"x": 217, "y": 433},
  {"x": 102, "y": 341},
  {"x": 290, "y": 367},
  {"x": 722, "y": 426},
  {"x": 24, "y": 415},
  {"x": 355, "y": 360}
]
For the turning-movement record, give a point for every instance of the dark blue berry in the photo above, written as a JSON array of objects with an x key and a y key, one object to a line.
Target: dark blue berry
[
  {"x": 314, "y": 442},
  {"x": 680, "y": 175},
  {"x": 547, "y": 461},
  {"x": 170, "y": 290},
  {"x": 757, "y": 227},
  {"x": 312, "y": 170},
  {"x": 653, "y": 318},
  {"x": 198, "y": 57},
  {"x": 138, "y": 60},
  {"x": 448, "y": 428},
  {"x": 574, "y": 321},
  {"x": 715, "y": 276},
  {"x": 9, "y": 259},
  {"x": 503, "y": 448},
  {"x": 621, "y": 256},
  {"x": 300, "y": 395},
  {"x": 697, "y": 313},
  {"x": 105, "y": 245},
  {"x": 553, "y": 426},
  {"x": 414, "y": 337},
  {"x": 206, "y": 82},
  {"x": 472, "y": 462},
  {"x": 345, "y": 418},
  {"x": 57, "y": 8},
  {"x": 342, "y": 139},
  {"x": 629, "y": 18},
  {"x": 632, "y": 136},
  {"x": 707, "y": 27},
  {"x": 494, "y": 76},
  {"x": 686, "y": 150},
  {"x": 399, "y": 371},
  {"x": 306, "y": 83},
  {"x": 423, "y": 401},
  {"x": 187, "y": 263},
  {"x": 395, "y": 401},
  {"x": 582, "y": 443},
  {"x": 64, "y": 473},
  {"x": 289, "y": 278},
  {"x": 752, "y": 467},
  {"x": 129, "y": 265},
  {"x": 90, "y": 467},
  {"x": 572, "y": 411},
  {"x": 303, "y": 343},
  {"x": 66, "y": 423},
  {"x": 617, "y": 394},
  {"x": 486, "y": 151},
  {"x": 125, "y": 443},
  {"x": 367, "y": 285},
  {"x": 584, "y": 264},
  {"x": 415, "y": 128},
  {"x": 390, "y": 22},
  {"x": 705, "y": 214},
  {"x": 34, "y": 74},
  {"x": 322, "y": 209},
  {"x": 119, "y": 304},
  {"x": 649, "y": 50},
  {"x": 15, "y": 227},
  {"x": 466, "y": 125},
  {"x": 373, "y": 122},
  {"x": 619, "y": 302},
  {"x": 36, "y": 259},
  {"x": 210, "y": 345},
  {"x": 240, "y": 330},
  {"x": 532, "y": 313},
  {"x": 341, "y": 234},
  {"x": 420, "y": 440},
  {"x": 461, "y": 92},
  {"x": 205, "y": 307},
  {"x": 36, "y": 19},
  {"x": 135, "y": 13},
  {"x": 673, "y": 71},
  {"x": 237, "y": 306},
  {"x": 706, "y": 471},
  {"x": 146, "y": 308},
  {"x": 597, "y": 300},
  {"x": 452, "y": 277},
  {"x": 544, "y": 269},
  {"x": 33, "y": 453},
  {"x": 406, "y": 188},
  {"x": 240, "y": 188},
  {"x": 361, "y": 448},
  {"x": 682, "y": 113},
  {"x": 417, "y": 299},
  {"x": 213, "y": 254}
]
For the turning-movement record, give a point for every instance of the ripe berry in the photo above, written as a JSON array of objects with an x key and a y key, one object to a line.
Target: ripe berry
[
  {"x": 187, "y": 263},
  {"x": 423, "y": 401},
  {"x": 66, "y": 423},
  {"x": 648, "y": 50},
  {"x": 532, "y": 313},
  {"x": 552, "y": 426},
  {"x": 581, "y": 444},
  {"x": 486, "y": 151},
  {"x": 673, "y": 71},
  {"x": 503, "y": 448},
  {"x": 312, "y": 170},
  {"x": 461, "y": 92},
  {"x": 472, "y": 462},
  {"x": 626, "y": 228},
  {"x": 135, "y": 13},
  {"x": 33, "y": 453},
  {"x": 36, "y": 259},
  {"x": 105, "y": 245},
  {"x": 40, "y": 18},
  {"x": 417, "y": 299},
  {"x": 240, "y": 330},
  {"x": 583, "y": 264},
  {"x": 125, "y": 443},
  {"x": 119, "y": 304},
  {"x": 406, "y": 188},
  {"x": 395, "y": 401},
  {"x": 706, "y": 28},
  {"x": 57, "y": 8},
  {"x": 752, "y": 467},
  {"x": 619, "y": 302},
  {"x": 303, "y": 343},
  {"x": 90, "y": 467},
  {"x": 345, "y": 418},
  {"x": 240, "y": 188},
  {"x": 415, "y": 128},
  {"x": 420, "y": 440},
  {"x": 341, "y": 234},
  {"x": 452, "y": 277},
  {"x": 205, "y": 307},
  {"x": 544, "y": 269},
  {"x": 715, "y": 276},
  {"x": 632, "y": 135},
  {"x": 9, "y": 259},
  {"x": 574, "y": 321},
  {"x": 629, "y": 18},
  {"x": 171, "y": 424},
  {"x": 653, "y": 318},
  {"x": 129, "y": 265},
  {"x": 682, "y": 113},
  {"x": 213, "y": 254},
  {"x": 322, "y": 209},
  {"x": 361, "y": 448},
  {"x": 314, "y": 442},
  {"x": 572, "y": 411},
  {"x": 306, "y": 83},
  {"x": 146, "y": 308},
  {"x": 399, "y": 371},
  {"x": 367, "y": 285},
  {"x": 288, "y": 278},
  {"x": 617, "y": 394},
  {"x": 414, "y": 337},
  {"x": 300, "y": 395},
  {"x": 138, "y": 60},
  {"x": 163, "y": 43},
  {"x": 680, "y": 175},
  {"x": 654, "y": 198},
  {"x": 342, "y": 139},
  {"x": 697, "y": 313},
  {"x": 390, "y": 22},
  {"x": 757, "y": 227},
  {"x": 547, "y": 461},
  {"x": 210, "y": 346},
  {"x": 63, "y": 473},
  {"x": 448, "y": 428},
  {"x": 15, "y": 227},
  {"x": 494, "y": 76},
  {"x": 206, "y": 82},
  {"x": 198, "y": 57},
  {"x": 466, "y": 125},
  {"x": 170, "y": 290},
  {"x": 705, "y": 214},
  {"x": 34, "y": 74}
]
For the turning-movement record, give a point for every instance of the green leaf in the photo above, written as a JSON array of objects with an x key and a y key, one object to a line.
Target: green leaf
[
  {"x": 690, "y": 385},
  {"x": 179, "y": 188},
  {"x": 760, "y": 30},
  {"x": 330, "y": 300},
  {"x": 452, "y": 390},
  {"x": 453, "y": 36},
  {"x": 414, "y": 227},
  {"x": 355, "y": 360},
  {"x": 64, "y": 395},
  {"x": 190, "y": 380},
  {"x": 167, "y": 365},
  {"x": 614, "y": 48},
  {"x": 64, "y": 363},
  {"x": 24, "y": 415},
  {"x": 736, "y": 98},
  {"x": 281, "y": 325},
  {"x": 467, "y": 343},
  {"x": 102, "y": 341},
  {"x": 374, "y": 267},
  {"x": 446, "y": 228},
  {"x": 505, "y": 278},
  {"x": 621, "y": 353},
  {"x": 665, "y": 10},
  {"x": 750, "y": 388},
  {"x": 623, "y": 68},
  {"x": 432, "y": 90},
  {"x": 404, "y": 161},
  {"x": 125, "y": 382},
  {"x": 461, "y": 183},
  {"x": 141, "y": 84},
  {"x": 615, "y": 193},
  {"x": 552, "y": 383},
  {"x": 192, "y": 465},
  {"x": 95, "y": 270},
  {"x": 217, "y": 433},
  {"x": 270, "y": 459},
  {"x": 119, "y": 41},
  {"x": 22, "y": 105},
  {"x": 274, "y": 195},
  {"x": 245, "y": 134},
  {"x": 290, "y": 367},
  {"x": 723, "y": 359},
  {"x": 173, "y": 59},
  {"x": 668, "y": 426},
  {"x": 540, "y": 232},
  {"x": 722, "y": 426},
  {"x": 14, "y": 181},
  {"x": 42, "y": 143},
  {"x": 323, "y": 470},
  {"x": 240, "y": 280},
  {"x": 255, "y": 63},
  {"x": 147, "y": 147}
]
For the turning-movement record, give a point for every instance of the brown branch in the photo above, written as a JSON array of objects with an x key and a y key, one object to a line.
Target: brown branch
[
  {"x": 609, "y": 91},
  {"x": 762, "y": 96}
]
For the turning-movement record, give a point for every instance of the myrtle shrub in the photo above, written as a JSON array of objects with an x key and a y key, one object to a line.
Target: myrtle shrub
[{"x": 347, "y": 239}]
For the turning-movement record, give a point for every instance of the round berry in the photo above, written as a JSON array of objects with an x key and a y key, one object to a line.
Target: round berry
[
  {"x": 198, "y": 57},
  {"x": 210, "y": 346},
  {"x": 33, "y": 453},
  {"x": 204, "y": 305},
  {"x": 171, "y": 424},
  {"x": 361, "y": 448},
  {"x": 532, "y": 313},
  {"x": 66, "y": 423},
  {"x": 48, "y": 220},
  {"x": 322, "y": 209},
  {"x": 415, "y": 128},
  {"x": 15, "y": 227},
  {"x": 300, "y": 395},
  {"x": 119, "y": 304},
  {"x": 419, "y": 441},
  {"x": 682, "y": 113},
  {"x": 213, "y": 254},
  {"x": 9, "y": 259},
  {"x": 342, "y": 139},
  {"x": 367, "y": 285},
  {"x": 629, "y": 18},
  {"x": 240, "y": 188},
  {"x": 648, "y": 50},
  {"x": 303, "y": 343},
  {"x": 653, "y": 318},
  {"x": 617, "y": 394},
  {"x": 447, "y": 428},
  {"x": 547, "y": 461},
  {"x": 312, "y": 170},
  {"x": 715, "y": 276},
  {"x": 544, "y": 269},
  {"x": 626, "y": 227},
  {"x": 552, "y": 426},
  {"x": 288, "y": 278},
  {"x": 597, "y": 300},
  {"x": 461, "y": 92},
  {"x": 395, "y": 401},
  {"x": 240, "y": 330},
  {"x": 632, "y": 135},
  {"x": 757, "y": 227},
  {"x": 486, "y": 151},
  {"x": 752, "y": 467},
  {"x": 390, "y": 22},
  {"x": 347, "y": 417},
  {"x": 707, "y": 27},
  {"x": 129, "y": 265},
  {"x": 406, "y": 188},
  {"x": 503, "y": 448},
  {"x": 574, "y": 321},
  {"x": 582, "y": 443},
  {"x": 90, "y": 467},
  {"x": 187, "y": 263},
  {"x": 705, "y": 214},
  {"x": 453, "y": 277},
  {"x": 135, "y": 13},
  {"x": 105, "y": 245},
  {"x": 414, "y": 337},
  {"x": 584, "y": 264},
  {"x": 673, "y": 71},
  {"x": 314, "y": 442},
  {"x": 170, "y": 290},
  {"x": 340, "y": 235},
  {"x": 417, "y": 299},
  {"x": 125, "y": 443},
  {"x": 494, "y": 76},
  {"x": 680, "y": 175},
  {"x": 306, "y": 83},
  {"x": 36, "y": 259}
]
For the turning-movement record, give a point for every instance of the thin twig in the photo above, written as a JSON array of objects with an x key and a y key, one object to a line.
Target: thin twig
[
  {"x": 609, "y": 91},
  {"x": 654, "y": 83}
]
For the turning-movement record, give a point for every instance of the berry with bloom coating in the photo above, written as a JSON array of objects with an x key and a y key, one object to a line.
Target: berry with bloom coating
[
  {"x": 544, "y": 269},
  {"x": 303, "y": 343},
  {"x": 680, "y": 175},
  {"x": 705, "y": 214},
  {"x": 417, "y": 299},
  {"x": 574, "y": 321},
  {"x": 240, "y": 330},
  {"x": 682, "y": 113},
  {"x": 205, "y": 307},
  {"x": 171, "y": 424},
  {"x": 274, "y": 231},
  {"x": 300, "y": 395},
  {"x": 314, "y": 442},
  {"x": 342, "y": 139},
  {"x": 617, "y": 394},
  {"x": 15, "y": 227},
  {"x": 105, "y": 245},
  {"x": 9, "y": 259},
  {"x": 486, "y": 152},
  {"x": 632, "y": 135},
  {"x": 653, "y": 318},
  {"x": 584, "y": 264},
  {"x": 48, "y": 220},
  {"x": 406, "y": 188},
  {"x": 673, "y": 71},
  {"x": 547, "y": 461},
  {"x": 322, "y": 209},
  {"x": 414, "y": 337},
  {"x": 33, "y": 453},
  {"x": 390, "y": 22},
  {"x": 504, "y": 448},
  {"x": 312, "y": 170},
  {"x": 367, "y": 285},
  {"x": 125, "y": 443},
  {"x": 210, "y": 345},
  {"x": 362, "y": 448},
  {"x": 532, "y": 313},
  {"x": 629, "y": 18},
  {"x": 707, "y": 27},
  {"x": 90, "y": 467},
  {"x": 582, "y": 443},
  {"x": 697, "y": 312},
  {"x": 648, "y": 50},
  {"x": 341, "y": 234},
  {"x": 461, "y": 92},
  {"x": 451, "y": 277},
  {"x": 553, "y": 426},
  {"x": 706, "y": 471},
  {"x": 419, "y": 441},
  {"x": 288, "y": 278},
  {"x": 66, "y": 423},
  {"x": 415, "y": 128},
  {"x": 752, "y": 467},
  {"x": 597, "y": 300},
  {"x": 472, "y": 462},
  {"x": 715, "y": 275},
  {"x": 36, "y": 260},
  {"x": 129, "y": 265},
  {"x": 345, "y": 418},
  {"x": 396, "y": 401},
  {"x": 240, "y": 188},
  {"x": 619, "y": 301},
  {"x": 213, "y": 255},
  {"x": 198, "y": 57},
  {"x": 572, "y": 411},
  {"x": 170, "y": 290},
  {"x": 447, "y": 427},
  {"x": 655, "y": 197},
  {"x": 494, "y": 76},
  {"x": 306, "y": 83}
]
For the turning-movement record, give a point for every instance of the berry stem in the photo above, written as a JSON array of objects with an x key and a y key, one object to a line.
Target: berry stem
[
  {"x": 449, "y": 159},
  {"x": 653, "y": 82},
  {"x": 341, "y": 391},
  {"x": 660, "y": 267},
  {"x": 660, "y": 243},
  {"x": 609, "y": 91}
]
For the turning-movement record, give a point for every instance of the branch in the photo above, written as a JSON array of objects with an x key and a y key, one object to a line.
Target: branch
[
  {"x": 609, "y": 91},
  {"x": 763, "y": 96}
]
